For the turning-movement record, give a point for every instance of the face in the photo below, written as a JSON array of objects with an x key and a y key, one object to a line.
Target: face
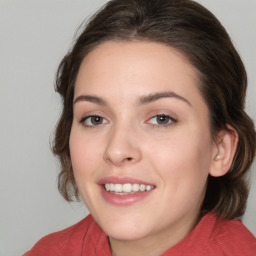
[{"x": 140, "y": 142}]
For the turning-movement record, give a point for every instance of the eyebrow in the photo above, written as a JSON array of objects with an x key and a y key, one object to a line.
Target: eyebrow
[
  {"x": 159, "y": 95},
  {"x": 142, "y": 100},
  {"x": 90, "y": 98}
]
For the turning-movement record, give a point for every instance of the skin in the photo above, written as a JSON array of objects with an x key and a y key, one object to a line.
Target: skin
[{"x": 129, "y": 142}]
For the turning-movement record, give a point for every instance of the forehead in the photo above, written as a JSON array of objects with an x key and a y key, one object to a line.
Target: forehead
[
  {"x": 136, "y": 65},
  {"x": 135, "y": 52}
]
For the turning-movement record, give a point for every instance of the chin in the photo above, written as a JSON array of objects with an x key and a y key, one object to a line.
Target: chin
[
  {"x": 124, "y": 228},
  {"x": 125, "y": 234}
]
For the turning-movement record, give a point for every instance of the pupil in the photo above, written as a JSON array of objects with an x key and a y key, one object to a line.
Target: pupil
[
  {"x": 162, "y": 119},
  {"x": 96, "y": 120}
]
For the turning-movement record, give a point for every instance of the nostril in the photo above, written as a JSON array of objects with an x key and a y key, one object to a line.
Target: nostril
[{"x": 129, "y": 159}]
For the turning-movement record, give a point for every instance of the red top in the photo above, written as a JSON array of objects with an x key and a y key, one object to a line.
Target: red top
[{"x": 212, "y": 237}]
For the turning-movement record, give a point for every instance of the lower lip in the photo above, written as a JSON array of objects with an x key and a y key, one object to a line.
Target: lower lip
[{"x": 124, "y": 200}]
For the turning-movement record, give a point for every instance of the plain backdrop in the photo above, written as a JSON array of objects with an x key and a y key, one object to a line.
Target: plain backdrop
[{"x": 34, "y": 36}]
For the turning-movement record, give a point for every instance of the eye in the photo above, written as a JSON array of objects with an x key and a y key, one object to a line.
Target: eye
[
  {"x": 93, "y": 120},
  {"x": 162, "y": 120}
]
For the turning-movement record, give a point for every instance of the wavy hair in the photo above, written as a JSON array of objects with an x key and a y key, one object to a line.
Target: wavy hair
[{"x": 192, "y": 30}]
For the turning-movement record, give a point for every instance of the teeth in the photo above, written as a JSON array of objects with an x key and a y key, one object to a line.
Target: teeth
[
  {"x": 127, "y": 188},
  {"x": 118, "y": 188},
  {"x": 107, "y": 187},
  {"x": 135, "y": 187},
  {"x": 148, "y": 187},
  {"x": 142, "y": 187},
  {"x": 111, "y": 187}
]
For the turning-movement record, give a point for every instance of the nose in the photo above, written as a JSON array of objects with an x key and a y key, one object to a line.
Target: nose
[{"x": 122, "y": 147}]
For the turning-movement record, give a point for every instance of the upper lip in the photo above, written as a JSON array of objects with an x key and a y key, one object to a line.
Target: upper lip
[{"x": 122, "y": 180}]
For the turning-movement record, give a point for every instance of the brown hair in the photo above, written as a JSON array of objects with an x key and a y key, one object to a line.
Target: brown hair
[{"x": 194, "y": 31}]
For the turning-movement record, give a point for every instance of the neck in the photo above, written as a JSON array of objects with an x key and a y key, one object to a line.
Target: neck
[{"x": 155, "y": 244}]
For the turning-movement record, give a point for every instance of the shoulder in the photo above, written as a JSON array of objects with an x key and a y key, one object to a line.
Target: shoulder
[
  {"x": 214, "y": 236},
  {"x": 233, "y": 238},
  {"x": 60, "y": 242}
]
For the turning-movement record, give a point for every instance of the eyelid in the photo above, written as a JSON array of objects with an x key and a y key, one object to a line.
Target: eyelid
[
  {"x": 91, "y": 115},
  {"x": 171, "y": 121},
  {"x": 163, "y": 112},
  {"x": 84, "y": 113}
]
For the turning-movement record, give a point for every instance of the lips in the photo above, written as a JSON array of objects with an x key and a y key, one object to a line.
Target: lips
[{"x": 124, "y": 191}]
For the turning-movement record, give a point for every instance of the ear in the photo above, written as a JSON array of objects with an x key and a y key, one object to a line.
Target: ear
[{"x": 224, "y": 152}]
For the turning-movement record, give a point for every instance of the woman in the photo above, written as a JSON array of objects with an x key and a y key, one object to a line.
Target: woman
[{"x": 153, "y": 135}]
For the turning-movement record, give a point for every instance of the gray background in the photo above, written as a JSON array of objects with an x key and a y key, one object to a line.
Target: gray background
[{"x": 34, "y": 36}]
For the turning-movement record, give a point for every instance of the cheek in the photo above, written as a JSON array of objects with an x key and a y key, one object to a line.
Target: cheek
[
  {"x": 83, "y": 151},
  {"x": 183, "y": 159},
  {"x": 85, "y": 160}
]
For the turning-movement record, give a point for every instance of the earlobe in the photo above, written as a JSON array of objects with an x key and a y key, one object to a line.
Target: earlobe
[{"x": 224, "y": 152}]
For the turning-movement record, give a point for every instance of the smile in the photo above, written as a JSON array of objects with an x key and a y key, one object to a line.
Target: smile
[{"x": 124, "y": 189}]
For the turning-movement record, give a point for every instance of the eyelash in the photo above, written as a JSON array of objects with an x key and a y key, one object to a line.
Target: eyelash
[
  {"x": 84, "y": 119},
  {"x": 171, "y": 120}
]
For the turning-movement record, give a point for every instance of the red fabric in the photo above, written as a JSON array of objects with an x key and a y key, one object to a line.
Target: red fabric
[{"x": 211, "y": 237}]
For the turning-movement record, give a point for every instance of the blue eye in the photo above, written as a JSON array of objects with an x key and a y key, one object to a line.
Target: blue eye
[
  {"x": 93, "y": 120},
  {"x": 162, "y": 120}
]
